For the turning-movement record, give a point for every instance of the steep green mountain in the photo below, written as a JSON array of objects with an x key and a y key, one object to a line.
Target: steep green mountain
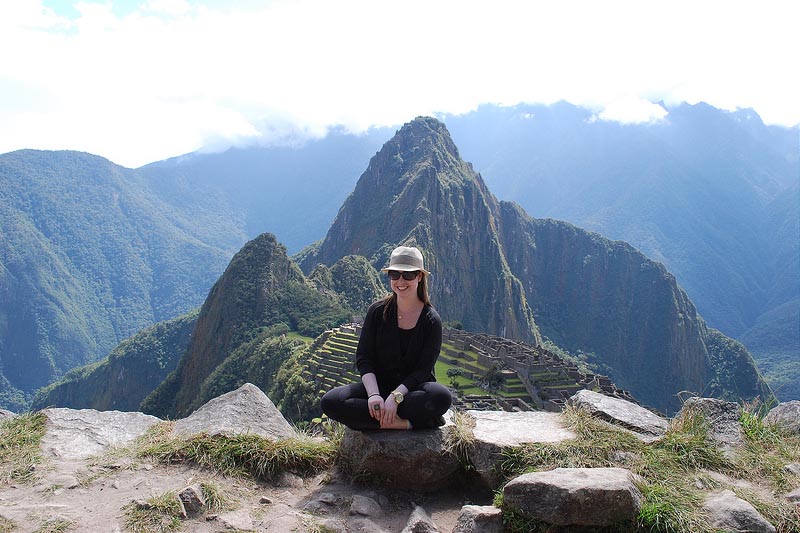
[
  {"x": 261, "y": 294},
  {"x": 131, "y": 371},
  {"x": 418, "y": 190},
  {"x": 89, "y": 256},
  {"x": 493, "y": 264},
  {"x": 711, "y": 194}
]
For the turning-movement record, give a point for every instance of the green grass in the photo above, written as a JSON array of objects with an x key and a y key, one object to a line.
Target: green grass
[
  {"x": 159, "y": 513},
  {"x": 242, "y": 455},
  {"x": 669, "y": 468},
  {"x": 293, "y": 335},
  {"x": 20, "y": 438}
]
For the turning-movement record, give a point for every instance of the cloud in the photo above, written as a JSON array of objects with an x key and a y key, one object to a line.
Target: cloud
[{"x": 166, "y": 77}]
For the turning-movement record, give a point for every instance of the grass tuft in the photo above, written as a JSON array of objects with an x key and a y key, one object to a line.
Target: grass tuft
[
  {"x": 159, "y": 513},
  {"x": 57, "y": 525},
  {"x": 460, "y": 439},
  {"x": 241, "y": 455},
  {"x": 216, "y": 501},
  {"x": 20, "y": 439}
]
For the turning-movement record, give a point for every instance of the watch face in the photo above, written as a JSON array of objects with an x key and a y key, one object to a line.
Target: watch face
[{"x": 398, "y": 397}]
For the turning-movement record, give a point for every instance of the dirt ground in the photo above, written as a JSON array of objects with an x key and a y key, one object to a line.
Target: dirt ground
[{"x": 89, "y": 496}]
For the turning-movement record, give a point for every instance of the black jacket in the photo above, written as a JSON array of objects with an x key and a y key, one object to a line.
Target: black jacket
[{"x": 379, "y": 348}]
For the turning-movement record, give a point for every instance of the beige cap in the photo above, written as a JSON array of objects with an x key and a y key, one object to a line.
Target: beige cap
[{"x": 405, "y": 259}]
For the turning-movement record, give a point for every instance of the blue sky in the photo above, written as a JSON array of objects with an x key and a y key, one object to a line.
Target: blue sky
[{"x": 141, "y": 81}]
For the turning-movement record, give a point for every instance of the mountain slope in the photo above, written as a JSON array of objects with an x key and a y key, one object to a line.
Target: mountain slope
[
  {"x": 88, "y": 256},
  {"x": 131, "y": 371},
  {"x": 492, "y": 263},
  {"x": 418, "y": 190},
  {"x": 260, "y": 294}
]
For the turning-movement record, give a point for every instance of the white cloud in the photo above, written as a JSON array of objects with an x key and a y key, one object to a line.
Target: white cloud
[
  {"x": 169, "y": 77},
  {"x": 632, "y": 110}
]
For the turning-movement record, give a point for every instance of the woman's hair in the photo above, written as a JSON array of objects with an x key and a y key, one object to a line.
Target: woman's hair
[{"x": 422, "y": 294}]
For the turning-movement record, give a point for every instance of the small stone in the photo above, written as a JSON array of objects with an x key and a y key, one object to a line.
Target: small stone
[
  {"x": 326, "y": 497},
  {"x": 192, "y": 499},
  {"x": 148, "y": 467},
  {"x": 364, "y": 506},
  {"x": 265, "y": 500}
]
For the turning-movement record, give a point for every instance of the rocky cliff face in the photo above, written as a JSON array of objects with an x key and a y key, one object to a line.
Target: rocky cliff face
[
  {"x": 495, "y": 268},
  {"x": 418, "y": 191}
]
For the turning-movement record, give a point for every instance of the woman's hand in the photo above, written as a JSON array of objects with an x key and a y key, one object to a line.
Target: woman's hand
[
  {"x": 389, "y": 412},
  {"x": 376, "y": 406}
]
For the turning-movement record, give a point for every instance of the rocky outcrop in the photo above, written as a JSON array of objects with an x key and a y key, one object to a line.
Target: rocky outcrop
[
  {"x": 406, "y": 459},
  {"x": 625, "y": 414},
  {"x": 594, "y": 497},
  {"x": 78, "y": 434},
  {"x": 721, "y": 419},
  {"x": 497, "y": 431},
  {"x": 786, "y": 415},
  {"x": 728, "y": 512},
  {"x": 247, "y": 410}
]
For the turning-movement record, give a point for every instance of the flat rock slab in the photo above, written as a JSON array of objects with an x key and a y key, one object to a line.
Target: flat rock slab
[
  {"x": 621, "y": 412},
  {"x": 404, "y": 459},
  {"x": 496, "y": 431},
  {"x": 81, "y": 433},
  {"x": 785, "y": 415},
  {"x": 247, "y": 410},
  {"x": 595, "y": 497}
]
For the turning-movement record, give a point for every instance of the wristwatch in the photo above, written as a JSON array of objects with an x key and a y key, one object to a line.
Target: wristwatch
[{"x": 398, "y": 396}]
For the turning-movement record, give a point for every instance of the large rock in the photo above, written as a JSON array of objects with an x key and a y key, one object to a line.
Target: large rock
[
  {"x": 621, "y": 412},
  {"x": 245, "y": 410},
  {"x": 728, "y": 512},
  {"x": 405, "y": 459},
  {"x": 479, "y": 519},
  {"x": 594, "y": 497},
  {"x": 5, "y": 414},
  {"x": 497, "y": 431},
  {"x": 786, "y": 415},
  {"x": 722, "y": 418},
  {"x": 81, "y": 433}
]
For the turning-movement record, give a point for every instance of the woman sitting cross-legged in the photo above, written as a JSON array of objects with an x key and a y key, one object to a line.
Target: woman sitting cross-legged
[{"x": 400, "y": 342}]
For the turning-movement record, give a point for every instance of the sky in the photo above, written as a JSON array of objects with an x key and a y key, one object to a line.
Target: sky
[{"x": 141, "y": 81}]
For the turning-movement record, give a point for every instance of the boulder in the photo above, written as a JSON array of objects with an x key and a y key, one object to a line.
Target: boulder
[
  {"x": 496, "y": 431},
  {"x": 405, "y": 459},
  {"x": 728, "y": 512},
  {"x": 365, "y": 506},
  {"x": 786, "y": 415},
  {"x": 595, "y": 497},
  {"x": 246, "y": 410},
  {"x": 621, "y": 412},
  {"x": 722, "y": 418},
  {"x": 420, "y": 522},
  {"x": 81, "y": 433},
  {"x": 479, "y": 519}
]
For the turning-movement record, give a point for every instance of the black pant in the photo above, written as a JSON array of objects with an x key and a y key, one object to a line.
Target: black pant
[{"x": 423, "y": 407}]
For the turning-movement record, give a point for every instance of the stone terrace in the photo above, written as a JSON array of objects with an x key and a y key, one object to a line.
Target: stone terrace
[{"x": 532, "y": 378}]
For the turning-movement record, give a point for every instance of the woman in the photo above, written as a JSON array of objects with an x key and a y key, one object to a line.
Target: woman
[{"x": 399, "y": 344}]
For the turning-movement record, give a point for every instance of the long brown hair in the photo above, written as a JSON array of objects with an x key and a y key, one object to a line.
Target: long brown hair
[{"x": 422, "y": 293}]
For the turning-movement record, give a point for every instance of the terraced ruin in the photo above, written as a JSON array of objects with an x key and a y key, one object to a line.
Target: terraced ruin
[{"x": 484, "y": 372}]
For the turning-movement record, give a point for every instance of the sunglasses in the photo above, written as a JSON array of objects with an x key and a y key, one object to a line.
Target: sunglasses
[{"x": 408, "y": 276}]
